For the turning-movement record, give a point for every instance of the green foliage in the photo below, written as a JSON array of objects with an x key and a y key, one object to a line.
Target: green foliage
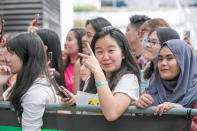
[
  {"x": 84, "y": 8},
  {"x": 79, "y": 23}
]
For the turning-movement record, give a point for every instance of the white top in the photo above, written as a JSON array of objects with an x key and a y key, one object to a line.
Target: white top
[
  {"x": 33, "y": 103},
  {"x": 128, "y": 84}
]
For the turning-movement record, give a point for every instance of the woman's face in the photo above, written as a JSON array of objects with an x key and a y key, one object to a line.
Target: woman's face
[
  {"x": 109, "y": 54},
  {"x": 14, "y": 62},
  {"x": 87, "y": 38},
  {"x": 152, "y": 47},
  {"x": 84, "y": 72},
  {"x": 167, "y": 65},
  {"x": 71, "y": 46}
]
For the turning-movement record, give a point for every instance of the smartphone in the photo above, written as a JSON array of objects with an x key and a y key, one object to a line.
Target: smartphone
[
  {"x": 62, "y": 94},
  {"x": 50, "y": 57},
  {"x": 60, "y": 91},
  {"x": 187, "y": 34},
  {"x": 36, "y": 20}
]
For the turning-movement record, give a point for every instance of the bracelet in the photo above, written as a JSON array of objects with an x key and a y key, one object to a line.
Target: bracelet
[{"x": 101, "y": 83}]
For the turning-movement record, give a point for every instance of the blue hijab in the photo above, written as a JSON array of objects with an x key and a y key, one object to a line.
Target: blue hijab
[{"x": 183, "y": 88}]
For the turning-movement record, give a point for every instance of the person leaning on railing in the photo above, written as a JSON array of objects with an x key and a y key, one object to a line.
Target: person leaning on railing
[
  {"x": 173, "y": 84},
  {"x": 115, "y": 73}
]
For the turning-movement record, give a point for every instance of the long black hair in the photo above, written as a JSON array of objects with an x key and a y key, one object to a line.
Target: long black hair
[
  {"x": 51, "y": 39},
  {"x": 128, "y": 65},
  {"x": 30, "y": 49},
  {"x": 79, "y": 33}
]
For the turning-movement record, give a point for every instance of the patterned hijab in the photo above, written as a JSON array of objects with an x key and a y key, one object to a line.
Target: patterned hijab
[{"x": 183, "y": 88}]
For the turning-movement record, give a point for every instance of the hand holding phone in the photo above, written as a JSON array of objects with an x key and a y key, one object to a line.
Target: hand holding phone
[
  {"x": 35, "y": 21},
  {"x": 60, "y": 91},
  {"x": 33, "y": 27},
  {"x": 67, "y": 97}
]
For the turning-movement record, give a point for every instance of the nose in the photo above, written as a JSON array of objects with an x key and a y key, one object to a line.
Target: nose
[
  {"x": 65, "y": 44},
  {"x": 163, "y": 62},
  {"x": 83, "y": 68},
  {"x": 105, "y": 56},
  {"x": 83, "y": 39}
]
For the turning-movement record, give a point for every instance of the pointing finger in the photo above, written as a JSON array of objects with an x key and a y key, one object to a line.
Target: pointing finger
[
  {"x": 89, "y": 49},
  {"x": 83, "y": 55}
]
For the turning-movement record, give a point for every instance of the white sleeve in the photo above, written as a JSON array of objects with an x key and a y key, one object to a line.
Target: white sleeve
[
  {"x": 128, "y": 85},
  {"x": 33, "y": 104}
]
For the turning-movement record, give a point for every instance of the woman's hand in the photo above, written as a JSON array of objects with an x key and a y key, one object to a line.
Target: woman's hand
[
  {"x": 33, "y": 27},
  {"x": 90, "y": 61},
  {"x": 51, "y": 72},
  {"x": 148, "y": 53},
  {"x": 144, "y": 101},
  {"x": 160, "y": 109},
  {"x": 187, "y": 40},
  {"x": 5, "y": 73},
  {"x": 70, "y": 99}
]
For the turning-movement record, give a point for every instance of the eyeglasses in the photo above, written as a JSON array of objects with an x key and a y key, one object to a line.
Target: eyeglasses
[
  {"x": 143, "y": 32},
  {"x": 146, "y": 41}
]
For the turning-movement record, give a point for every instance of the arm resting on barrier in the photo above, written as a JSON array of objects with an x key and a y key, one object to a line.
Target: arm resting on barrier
[{"x": 112, "y": 105}]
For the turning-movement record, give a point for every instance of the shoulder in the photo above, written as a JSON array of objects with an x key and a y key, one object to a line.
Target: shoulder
[
  {"x": 40, "y": 92},
  {"x": 128, "y": 78},
  {"x": 128, "y": 85}
]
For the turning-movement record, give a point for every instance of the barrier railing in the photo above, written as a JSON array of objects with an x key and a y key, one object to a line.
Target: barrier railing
[
  {"x": 53, "y": 108},
  {"x": 175, "y": 119}
]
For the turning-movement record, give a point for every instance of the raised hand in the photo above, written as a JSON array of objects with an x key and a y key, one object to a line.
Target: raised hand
[
  {"x": 90, "y": 61},
  {"x": 5, "y": 73},
  {"x": 33, "y": 27}
]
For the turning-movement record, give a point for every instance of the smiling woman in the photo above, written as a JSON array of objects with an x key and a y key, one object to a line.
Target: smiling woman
[
  {"x": 167, "y": 64},
  {"x": 72, "y": 47},
  {"x": 115, "y": 74},
  {"x": 174, "y": 81}
]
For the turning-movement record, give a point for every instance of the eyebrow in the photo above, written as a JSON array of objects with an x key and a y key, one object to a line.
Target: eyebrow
[
  {"x": 90, "y": 33},
  {"x": 168, "y": 55},
  {"x": 97, "y": 47},
  {"x": 152, "y": 39}
]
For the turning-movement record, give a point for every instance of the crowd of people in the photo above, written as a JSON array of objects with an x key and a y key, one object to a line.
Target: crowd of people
[{"x": 147, "y": 66}]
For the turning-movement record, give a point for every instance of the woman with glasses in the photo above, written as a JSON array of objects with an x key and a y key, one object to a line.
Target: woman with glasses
[
  {"x": 155, "y": 39},
  {"x": 152, "y": 24}
]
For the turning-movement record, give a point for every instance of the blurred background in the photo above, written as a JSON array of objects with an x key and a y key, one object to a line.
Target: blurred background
[{"x": 62, "y": 15}]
